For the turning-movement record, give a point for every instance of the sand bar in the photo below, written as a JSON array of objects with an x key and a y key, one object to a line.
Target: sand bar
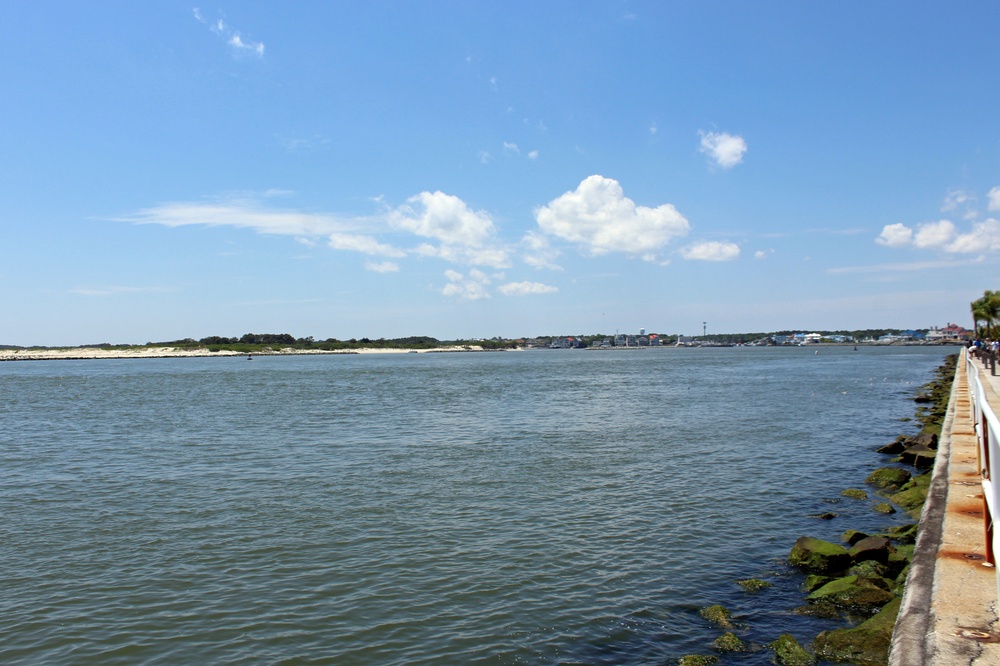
[{"x": 87, "y": 353}]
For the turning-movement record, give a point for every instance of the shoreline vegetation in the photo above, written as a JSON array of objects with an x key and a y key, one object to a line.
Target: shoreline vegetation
[
  {"x": 285, "y": 344},
  {"x": 860, "y": 581}
]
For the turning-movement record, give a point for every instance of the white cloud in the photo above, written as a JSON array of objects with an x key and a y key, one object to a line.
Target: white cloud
[
  {"x": 466, "y": 236},
  {"x": 763, "y": 254},
  {"x": 443, "y": 217},
  {"x": 711, "y": 251},
  {"x": 533, "y": 155},
  {"x": 382, "y": 267},
  {"x": 471, "y": 287},
  {"x": 994, "y": 197},
  {"x": 363, "y": 244},
  {"x": 726, "y": 150},
  {"x": 983, "y": 237},
  {"x": 895, "y": 235},
  {"x": 934, "y": 234},
  {"x": 526, "y": 288},
  {"x": 484, "y": 157},
  {"x": 511, "y": 148},
  {"x": 599, "y": 217}
]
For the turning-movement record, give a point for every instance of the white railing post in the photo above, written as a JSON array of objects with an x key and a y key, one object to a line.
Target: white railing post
[{"x": 988, "y": 440}]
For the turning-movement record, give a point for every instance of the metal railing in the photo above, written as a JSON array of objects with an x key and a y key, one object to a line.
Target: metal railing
[{"x": 988, "y": 437}]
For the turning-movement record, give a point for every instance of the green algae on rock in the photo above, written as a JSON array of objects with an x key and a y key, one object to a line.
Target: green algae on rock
[
  {"x": 718, "y": 615},
  {"x": 730, "y": 642},
  {"x": 865, "y": 645},
  {"x": 890, "y": 478},
  {"x": 855, "y": 493},
  {"x": 854, "y": 594},
  {"x": 697, "y": 660},
  {"x": 884, "y": 507},
  {"x": 788, "y": 652},
  {"x": 819, "y": 556},
  {"x": 911, "y": 497},
  {"x": 753, "y": 584}
]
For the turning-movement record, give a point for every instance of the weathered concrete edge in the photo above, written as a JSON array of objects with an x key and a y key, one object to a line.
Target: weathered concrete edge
[{"x": 913, "y": 634}]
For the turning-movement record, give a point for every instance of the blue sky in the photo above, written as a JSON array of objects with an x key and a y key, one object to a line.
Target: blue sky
[{"x": 473, "y": 169}]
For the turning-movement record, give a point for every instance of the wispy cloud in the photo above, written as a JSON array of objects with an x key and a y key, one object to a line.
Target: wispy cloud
[
  {"x": 526, "y": 289},
  {"x": 470, "y": 287},
  {"x": 241, "y": 212},
  {"x": 905, "y": 267},
  {"x": 117, "y": 290},
  {"x": 241, "y": 45}
]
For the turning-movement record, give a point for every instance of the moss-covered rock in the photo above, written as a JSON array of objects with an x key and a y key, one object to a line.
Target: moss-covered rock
[
  {"x": 865, "y": 645},
  {"x": 825, "y": 611},
  {"x": 730, "y": 642},
  {"x": 913, "y": 494},
  {"x": 815, "y": 581},
  {"x": 888, "y": 477},
  {"x": 855, "y": 493},
  {"x": 870, "y": 569},
  {"x": 788, "y": 652},
  {"x": 819, "y": 556},
  {"x": 697, "y": 660},
  {"x": 884, "y": 507},
  {"x": 854, "y": 536},
  {"x": 854, "y": 594},
  {"x": 753, "y": 584},
  {"x": 904, "y": 534},
  {"x": 719, "y": 616}
]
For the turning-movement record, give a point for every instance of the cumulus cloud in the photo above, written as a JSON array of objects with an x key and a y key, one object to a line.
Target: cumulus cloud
[
  {"x": 465, "y": 235},
  {"x": 363, "y": 244},
  {"x": 934, "y": 234},
  {"x": 471, "y": 287},
  {"x": 895, "y": 235},
  {"x": 232, "y": 37},
  {"x": 443, "y": 217},
  {"x": 526, "y": 288},
  {"x": 711, "y": 251},
  {"x": 726, "y": 150},
  {"x": 601, "y": 219},
  {"x": 943, "y": 235}
]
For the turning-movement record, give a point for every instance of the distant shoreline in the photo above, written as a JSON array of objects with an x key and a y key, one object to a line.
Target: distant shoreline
[
  {"x": 94, "y": 353},
  {"x": 97, "y": 353}
]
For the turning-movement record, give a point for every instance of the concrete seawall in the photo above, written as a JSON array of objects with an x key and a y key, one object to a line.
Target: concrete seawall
[{"x": 948, "y": 615}]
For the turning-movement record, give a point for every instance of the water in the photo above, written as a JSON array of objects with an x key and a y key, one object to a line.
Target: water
[{"x": 563, "y": 507}]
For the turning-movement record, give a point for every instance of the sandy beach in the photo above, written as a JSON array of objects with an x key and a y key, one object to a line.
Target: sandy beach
[{"x": 81, "y": 353}]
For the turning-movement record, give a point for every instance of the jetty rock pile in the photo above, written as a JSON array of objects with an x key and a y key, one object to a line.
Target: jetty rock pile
[{"x": 861, "y": 580}]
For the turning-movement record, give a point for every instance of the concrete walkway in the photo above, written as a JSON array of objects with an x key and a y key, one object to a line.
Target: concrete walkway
[{"x": 948, "y": 615}]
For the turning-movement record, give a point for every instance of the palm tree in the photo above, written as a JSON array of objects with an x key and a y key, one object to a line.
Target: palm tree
[{"x": 986, "y": 310}]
